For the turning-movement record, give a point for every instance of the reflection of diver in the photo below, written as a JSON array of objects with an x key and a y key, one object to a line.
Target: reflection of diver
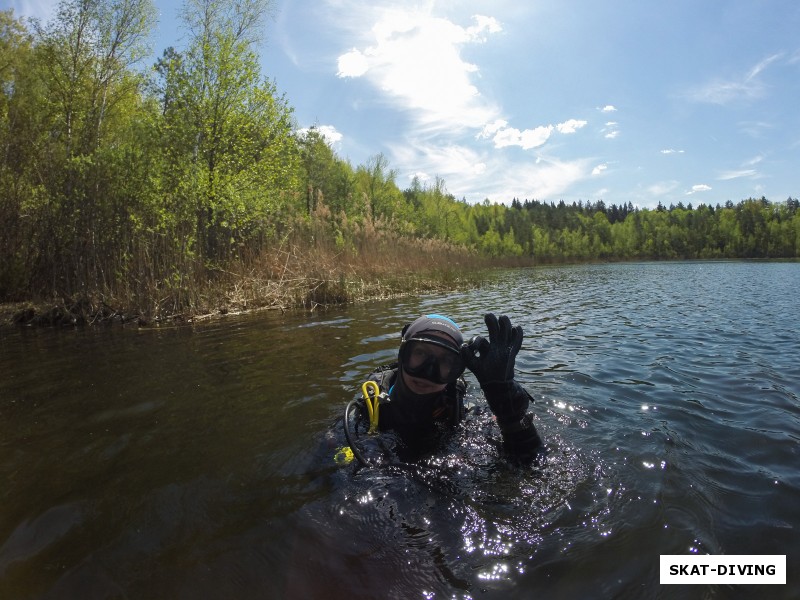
[{"x": 422, "y": 394}]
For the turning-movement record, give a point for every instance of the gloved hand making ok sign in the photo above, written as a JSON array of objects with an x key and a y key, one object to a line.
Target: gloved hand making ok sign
[{"x": 492, "y": 362}]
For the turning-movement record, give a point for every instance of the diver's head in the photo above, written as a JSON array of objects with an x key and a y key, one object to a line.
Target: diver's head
[{"x": 430, "y": 354}]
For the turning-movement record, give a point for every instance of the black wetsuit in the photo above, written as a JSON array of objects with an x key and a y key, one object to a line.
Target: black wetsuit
[{"x": 420, "y": 421}]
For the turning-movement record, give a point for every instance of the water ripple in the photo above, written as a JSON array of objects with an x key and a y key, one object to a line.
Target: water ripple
[{"x": 197, "y": 462}]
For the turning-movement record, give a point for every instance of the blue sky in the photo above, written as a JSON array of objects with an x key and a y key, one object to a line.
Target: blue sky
[{"x": 622, "y": 101}]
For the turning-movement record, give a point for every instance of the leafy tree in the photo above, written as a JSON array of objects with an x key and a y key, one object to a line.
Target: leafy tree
[
  {"x": 72, "y": 106},
  {"x": 319, "y": 162},
  {"x": 20, "y": 135},
  {"x": 229, "y": 155},
  {"x": 601, "y": 235},
  {"x": 114, "y": 179},
  {"x": 376, "y": 182}
]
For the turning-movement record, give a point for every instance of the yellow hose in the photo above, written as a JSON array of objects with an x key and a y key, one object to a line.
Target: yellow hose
[{"x": 372, "y": 393}]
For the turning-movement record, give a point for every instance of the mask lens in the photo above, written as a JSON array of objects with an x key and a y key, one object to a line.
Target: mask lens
[{"x": 432, "y": 361}]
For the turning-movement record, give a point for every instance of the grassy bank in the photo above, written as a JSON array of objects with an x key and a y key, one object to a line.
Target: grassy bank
[{"x": 306, "y": 268}]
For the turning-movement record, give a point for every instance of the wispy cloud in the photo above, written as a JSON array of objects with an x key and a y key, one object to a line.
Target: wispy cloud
[
  {"x": 611, "y": 130},
  {"x": 480, "y": 175},
  {"x": 728, "y": 175},
  {"x": 749, "y": 86},
  {"x": 446, "y": 160},
  {"x": 672, "y": 151},
  {"x": 662, "y": 188},
  {"x": 608, "y": 108},
  {"x": 414, "y": 61},
  {"x": 755, "y": 129},
  {"x": 546, "y": 178},
  {"x": 746, "y": 171}
]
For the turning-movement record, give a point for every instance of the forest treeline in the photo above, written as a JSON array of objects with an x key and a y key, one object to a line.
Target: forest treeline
[{"x": 185, "y": 183}]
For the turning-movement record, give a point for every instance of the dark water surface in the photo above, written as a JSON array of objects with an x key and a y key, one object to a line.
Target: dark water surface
[{"x": 196, "y": 462}]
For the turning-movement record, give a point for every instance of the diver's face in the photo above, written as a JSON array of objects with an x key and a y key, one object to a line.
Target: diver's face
[
  {"x": 430, "y": 360},
  {"x": 420, "y": 354},
  {"x": 418, "y": 385}
]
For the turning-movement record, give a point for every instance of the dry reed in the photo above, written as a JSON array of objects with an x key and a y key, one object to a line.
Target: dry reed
[{"x": 320, "y": 260}]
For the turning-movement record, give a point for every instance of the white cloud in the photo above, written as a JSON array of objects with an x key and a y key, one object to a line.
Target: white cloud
[
  {"x": 608, "y": 108},
  {"x": 422, "y": 177},
  {"x": 329, "y": 132},
  {"x": 482, "y": 25},
  {"x": 570, "y": 126},
  {"x": 527, "y": 139},
  {"x": 352, "y": 64},
  {"x": 599, "y": 169},
  {"x": 504, "y": 136},
  {"x": 671, "y": 151},
  {"x": 702, "y": 187},
  {"x": 490, "y": 129},
  {"x": 414, "y": 59}
]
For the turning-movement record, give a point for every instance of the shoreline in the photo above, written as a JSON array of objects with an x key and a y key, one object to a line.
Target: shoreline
[
  {"x": 241, "y": 295},
  {"x": 309, "y": 295}
]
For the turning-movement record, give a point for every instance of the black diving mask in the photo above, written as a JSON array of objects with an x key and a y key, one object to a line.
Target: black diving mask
[{"x": 431, "y": 359}]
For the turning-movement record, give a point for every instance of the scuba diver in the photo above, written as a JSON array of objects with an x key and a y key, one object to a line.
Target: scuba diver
[{"x": 421, "y": 395}]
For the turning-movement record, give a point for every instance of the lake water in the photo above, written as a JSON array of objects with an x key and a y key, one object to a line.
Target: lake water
[{"x": 197, "y": 461}]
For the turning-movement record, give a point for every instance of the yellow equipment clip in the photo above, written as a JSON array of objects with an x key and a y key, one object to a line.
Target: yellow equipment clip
[
  {"x": 372, "y": 394},
  {"x": 344, "y": 455}
]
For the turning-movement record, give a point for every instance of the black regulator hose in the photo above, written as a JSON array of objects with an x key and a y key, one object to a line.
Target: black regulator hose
[{"x": 350, "y": 442}]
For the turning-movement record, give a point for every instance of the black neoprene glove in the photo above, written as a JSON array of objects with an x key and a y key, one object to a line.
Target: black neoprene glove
[{"x": 492, "y": 362}]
